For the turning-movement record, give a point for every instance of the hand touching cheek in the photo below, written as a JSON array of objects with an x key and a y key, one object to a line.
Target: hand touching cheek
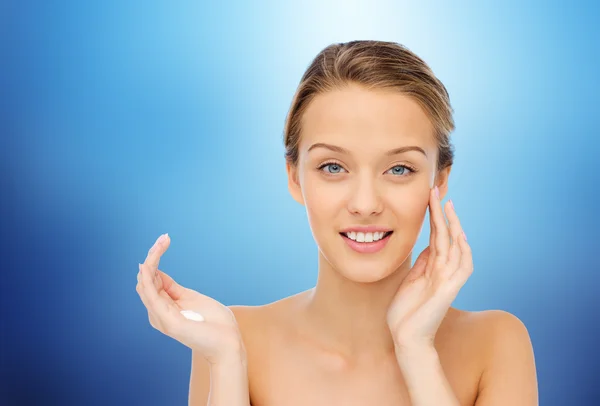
[{"x": 440, "y": 271}]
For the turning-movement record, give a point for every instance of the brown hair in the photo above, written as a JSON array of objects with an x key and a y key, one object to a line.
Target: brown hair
[{"x": 375, "y": 65}]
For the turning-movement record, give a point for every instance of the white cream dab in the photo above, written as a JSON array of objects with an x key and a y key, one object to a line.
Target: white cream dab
[{"x": 192, "y": 315}]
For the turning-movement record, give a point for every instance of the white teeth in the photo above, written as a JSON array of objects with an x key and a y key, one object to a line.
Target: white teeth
[{"x": 365, "y": 237}]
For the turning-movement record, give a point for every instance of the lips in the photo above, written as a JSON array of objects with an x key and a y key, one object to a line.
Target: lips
[{"x": 367, "y": 247}]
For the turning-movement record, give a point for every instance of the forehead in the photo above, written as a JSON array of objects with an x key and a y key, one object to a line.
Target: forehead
[{"x": 355, "y": 117}]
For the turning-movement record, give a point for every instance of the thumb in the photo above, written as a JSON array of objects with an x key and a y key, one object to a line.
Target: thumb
[
  {"x": 420, "y": 264},
  {"x": 172, "y": 288}
]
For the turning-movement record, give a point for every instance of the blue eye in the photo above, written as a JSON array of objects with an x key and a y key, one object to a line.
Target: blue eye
[
  {"x": 403, "y": 169},
  {"x": 334, "y": 166}
]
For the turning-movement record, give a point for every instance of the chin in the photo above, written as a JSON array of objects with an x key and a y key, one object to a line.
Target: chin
[
  {"x": 366, "y": 273},
  {"x": 367, "y": 268}
]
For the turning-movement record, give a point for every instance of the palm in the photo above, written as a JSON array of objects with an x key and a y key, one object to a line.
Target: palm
[
  {"x": 189, "y": 299},
  {"x": 219, "y": 328},
  {"x": 217, "y": 337},
  {"x": 417, "y": 311}
]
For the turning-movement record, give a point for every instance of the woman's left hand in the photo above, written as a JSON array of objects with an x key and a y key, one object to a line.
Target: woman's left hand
[{"x": 430, "y": 287}]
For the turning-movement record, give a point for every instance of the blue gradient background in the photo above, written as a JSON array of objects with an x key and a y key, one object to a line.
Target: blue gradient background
[{"x": 120, "y": 121}]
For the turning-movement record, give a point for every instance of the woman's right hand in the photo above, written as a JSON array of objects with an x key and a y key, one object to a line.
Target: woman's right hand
[{"x": 217, "y": 338}]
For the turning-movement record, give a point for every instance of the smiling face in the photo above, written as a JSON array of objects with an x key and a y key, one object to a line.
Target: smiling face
[{"x": 366, "y": 158}]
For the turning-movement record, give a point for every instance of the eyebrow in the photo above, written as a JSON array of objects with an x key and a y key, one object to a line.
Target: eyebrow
[{"x": 341, "y": 150}]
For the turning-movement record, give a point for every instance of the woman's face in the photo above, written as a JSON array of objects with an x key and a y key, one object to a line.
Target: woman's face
[{"x": 348, "y": 176}]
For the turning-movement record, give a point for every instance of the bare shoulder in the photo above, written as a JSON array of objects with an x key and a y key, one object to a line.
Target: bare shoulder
[
  {"x": 488, "y": 331},
  {"x": 490, "y": 323},
  {"x": 505, "y": 335},
  {"x": 493, "y": 319},
  {"x": 503, "y": 346},
  {"x": 264, "y": 319}
]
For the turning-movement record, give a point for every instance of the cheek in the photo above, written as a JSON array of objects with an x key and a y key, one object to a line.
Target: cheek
[
  {"x": 322, "y": 203},
  {"x": 410, "y": 206},
  {"x": 319, "y": 200}
]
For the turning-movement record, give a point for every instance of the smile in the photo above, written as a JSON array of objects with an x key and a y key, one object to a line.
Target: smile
[{"x": 366, "y": 243}]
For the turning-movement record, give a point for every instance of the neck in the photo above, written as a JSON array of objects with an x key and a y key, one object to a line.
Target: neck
[{"x": 349, "y": 316}]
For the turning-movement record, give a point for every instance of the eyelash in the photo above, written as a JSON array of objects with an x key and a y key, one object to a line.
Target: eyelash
[{"x": 410, "y": 168}]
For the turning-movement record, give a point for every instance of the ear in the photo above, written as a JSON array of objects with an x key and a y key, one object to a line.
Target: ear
[
  {"x": 441, "y": 181},
  {"x": 294, "y": 183}
]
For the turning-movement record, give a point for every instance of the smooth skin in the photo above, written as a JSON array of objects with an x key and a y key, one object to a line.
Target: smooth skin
[{"x": 374, "y": 330}]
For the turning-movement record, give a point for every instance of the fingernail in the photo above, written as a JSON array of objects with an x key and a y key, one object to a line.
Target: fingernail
[
  {"x": 464, "y": 236},
  {"x": 437, "y": 192},
  {"x": 451, "y": 204},
  {"x": 158, "y": 241}
]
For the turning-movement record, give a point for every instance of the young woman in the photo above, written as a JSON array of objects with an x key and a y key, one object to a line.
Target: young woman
[{"x": 368, "y": 153}]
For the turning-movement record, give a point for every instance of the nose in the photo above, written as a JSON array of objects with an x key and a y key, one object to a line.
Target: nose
[{"x": 365, "y": 199}]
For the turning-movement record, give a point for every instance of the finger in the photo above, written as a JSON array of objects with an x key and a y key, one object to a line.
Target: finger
[
  {"x": 465, "y": 267},
  {"x": 158, "y": 284},
  {"x": 432, "y": 251},
  {"x": 159, "y": 287},
  {"x": 149, "y": 290},
  {"x": 164, "y": 312},
  {"x": 140, "y": 291},
  {"x": 420, "y": 264},
  {"x": 157, "y": 250},
  {"x": 173, "y": 289},
  {"x": 423, "y": 256},
  {"x": 442, "y": 238},
  {"x": 455, "y": 231},
  {"x": 157, "y": 281},
  {"x": 151, "y": 317},
  {"x": 139, "y": 288}
]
